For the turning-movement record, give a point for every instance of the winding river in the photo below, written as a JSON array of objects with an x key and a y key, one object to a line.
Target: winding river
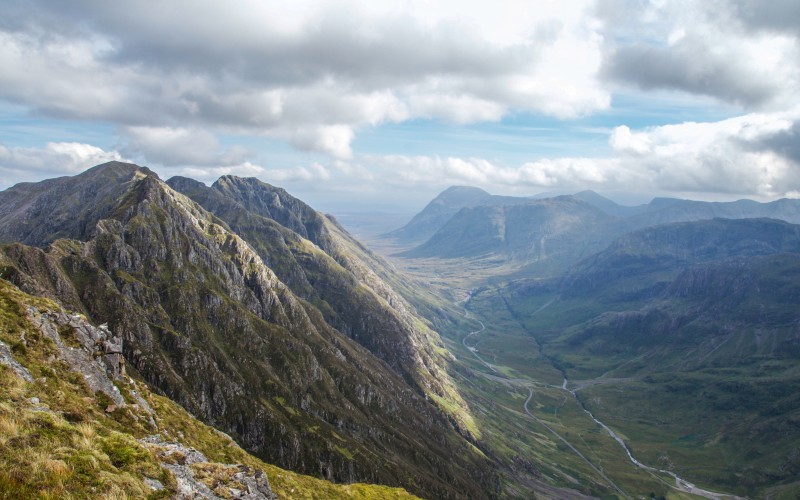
[{"x": 680, "y": 483}]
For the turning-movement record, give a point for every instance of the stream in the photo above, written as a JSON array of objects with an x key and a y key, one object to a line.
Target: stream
[{"x": 680, "y": 483}]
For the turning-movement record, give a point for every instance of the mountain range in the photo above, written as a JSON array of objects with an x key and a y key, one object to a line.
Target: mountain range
[
  {"x": 256, "y": 314},
  {"x": 546, "y": 236},
  {"x": 673, "y": 326},
  {"x": 523, "y": 342}
]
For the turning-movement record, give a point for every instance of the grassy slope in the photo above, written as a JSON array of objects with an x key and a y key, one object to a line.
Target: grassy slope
[{"x": 67, "y": 445}]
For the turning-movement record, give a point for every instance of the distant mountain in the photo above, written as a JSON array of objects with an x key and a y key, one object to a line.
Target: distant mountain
[
  {"x": 561, "y": 230},
  {"x": 208, "y": 322},
  {"x": 549, "y": 232},
  {"x": 664, "y": 210},
  {"x": 442, "y": 208},
  {"x": 655, "y": 252}
]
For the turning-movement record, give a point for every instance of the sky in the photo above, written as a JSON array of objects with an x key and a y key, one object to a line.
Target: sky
[{"x": 380, "y": 105}]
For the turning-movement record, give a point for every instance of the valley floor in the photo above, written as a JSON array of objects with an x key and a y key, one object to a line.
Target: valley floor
[{"x": 532, "y": 418}]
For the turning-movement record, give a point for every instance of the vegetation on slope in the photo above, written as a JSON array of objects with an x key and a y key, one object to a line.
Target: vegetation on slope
[
  {"x": 60, "y": 439},
  {"x": 683, "y": 338},
  {"x": 208, "y": 323}
]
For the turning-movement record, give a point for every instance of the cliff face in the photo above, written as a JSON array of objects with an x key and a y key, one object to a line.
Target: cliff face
[
  {"x": 208, "y": 322},
  {"x": 321, "y": 263}
]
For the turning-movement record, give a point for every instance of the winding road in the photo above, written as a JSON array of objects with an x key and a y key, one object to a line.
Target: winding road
[
  {"x": 569, "y": 445},
  {"x": 526, "y": 384},
  {"x": 473, "y": 349}
]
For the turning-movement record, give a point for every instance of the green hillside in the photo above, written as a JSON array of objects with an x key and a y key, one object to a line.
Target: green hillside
[{"x": 61, "y": 439}]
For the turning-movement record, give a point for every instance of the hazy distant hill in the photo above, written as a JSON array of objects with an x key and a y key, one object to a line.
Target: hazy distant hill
[
  {"x": 550, "y": 233},
  {"x": 561, "y": 230},
  {"x": 442, "y": 208}
]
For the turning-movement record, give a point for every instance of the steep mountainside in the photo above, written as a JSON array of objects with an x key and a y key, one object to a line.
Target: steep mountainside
[
  {"x": 207, "y": 322},
  {"x": 684, "y": 338},
  {"x": 73, "y": 424},
  {"x": 337, "y": 274}
]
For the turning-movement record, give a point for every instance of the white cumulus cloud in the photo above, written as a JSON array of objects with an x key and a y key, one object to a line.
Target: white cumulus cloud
[{"x": 55, "y": 159}]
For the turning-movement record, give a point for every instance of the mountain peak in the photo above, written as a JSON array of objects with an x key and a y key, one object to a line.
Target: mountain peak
[
  {"x": 180, "y": 183},
  {"x": 116, "y": 170},
  {"x": 234, "y": 180},
  {"x": 460, "y": 194},
  {"x": 67, "y": 207},
  {"x": 609, "y": 206}
]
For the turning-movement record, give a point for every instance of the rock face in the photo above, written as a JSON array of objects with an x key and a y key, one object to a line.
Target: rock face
[
  {"x": 197, "y": 477},
  {"x": 95, "y": 353},
  {"x": 208, "y": 322},
  {"x": 324, "y": 265},
  {"x": 6, "y": 358}
]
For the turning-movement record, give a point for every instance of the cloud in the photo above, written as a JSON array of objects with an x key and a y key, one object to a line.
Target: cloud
[
  {"x": 331, "y": 139},
  {"x": 775, "y": 15},
  {"x": 170, "y": 146},
  {"x": 312, "y": 73},
  {"x": 54, "y": 160},
  {"x": 692, "y": 66},
  {"x": 785, "y": 143},
  {"x": 311, "y": 173},
  {"x": 741, "y": 52},
  {"x": 314, "y": 172},
  {"x": 622, "y": 140},
  {"x": 753, "y": 155}
]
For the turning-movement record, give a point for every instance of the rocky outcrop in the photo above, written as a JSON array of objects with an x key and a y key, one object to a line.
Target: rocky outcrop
[
  {"x": 197, "y": 477},
  {"x": 93, "y": 352},
  {"x": 6, "y": 358}
]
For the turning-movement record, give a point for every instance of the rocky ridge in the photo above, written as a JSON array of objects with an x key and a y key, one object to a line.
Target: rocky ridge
[
  {"x": 206, "y": 321},
  {"x": 330, "y": 269}
]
